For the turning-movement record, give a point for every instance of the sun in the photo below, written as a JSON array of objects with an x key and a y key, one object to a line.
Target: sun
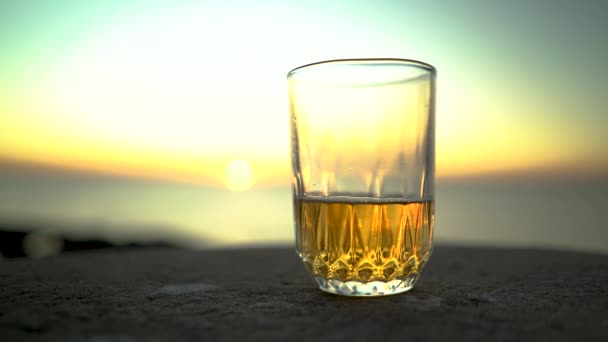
[{"x": 238, "y": 175}]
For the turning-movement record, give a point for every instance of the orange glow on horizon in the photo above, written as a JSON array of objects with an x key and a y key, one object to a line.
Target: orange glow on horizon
[{"x": 205, "y": 171}]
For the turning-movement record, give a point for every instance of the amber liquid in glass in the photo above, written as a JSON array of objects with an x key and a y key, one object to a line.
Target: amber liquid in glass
[{"x": 364, "y": 239}]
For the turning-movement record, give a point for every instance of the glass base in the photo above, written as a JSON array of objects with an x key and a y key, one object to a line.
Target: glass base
[{"x": 370, "y": 289}]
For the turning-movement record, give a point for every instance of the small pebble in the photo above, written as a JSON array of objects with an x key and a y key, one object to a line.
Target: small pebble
[{"x": 481, "y": 298}]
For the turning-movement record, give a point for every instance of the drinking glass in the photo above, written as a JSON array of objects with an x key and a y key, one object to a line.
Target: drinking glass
[{"x": 363, "y": 161}]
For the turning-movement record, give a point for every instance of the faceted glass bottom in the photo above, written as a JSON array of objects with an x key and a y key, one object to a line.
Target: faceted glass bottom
[{"x": 369, "y": 289}]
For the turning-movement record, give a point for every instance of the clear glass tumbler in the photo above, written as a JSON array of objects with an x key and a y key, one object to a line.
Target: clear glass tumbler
[{"x": 363, "y": 159}]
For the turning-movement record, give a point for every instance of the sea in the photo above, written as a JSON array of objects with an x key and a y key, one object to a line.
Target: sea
[{"x": 519, "y": 212}]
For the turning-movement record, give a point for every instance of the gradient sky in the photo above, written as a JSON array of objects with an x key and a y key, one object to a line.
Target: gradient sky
[{"x": 179, "y": 89}]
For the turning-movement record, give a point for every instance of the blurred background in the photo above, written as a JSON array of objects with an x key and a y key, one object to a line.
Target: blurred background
[{"x": 166, "y": 122}]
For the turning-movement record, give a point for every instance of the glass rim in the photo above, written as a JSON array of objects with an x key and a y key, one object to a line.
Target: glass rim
[{"x": 409, "y": 62}]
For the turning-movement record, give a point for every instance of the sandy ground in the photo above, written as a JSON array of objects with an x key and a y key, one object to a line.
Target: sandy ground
[{"x": 263, "y": 294}]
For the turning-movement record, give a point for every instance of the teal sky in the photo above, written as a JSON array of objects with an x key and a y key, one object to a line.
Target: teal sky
[{"x": 520, "y": 82}]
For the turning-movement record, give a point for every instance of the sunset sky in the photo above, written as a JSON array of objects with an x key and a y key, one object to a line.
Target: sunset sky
[{"x": 196, "y": 90}]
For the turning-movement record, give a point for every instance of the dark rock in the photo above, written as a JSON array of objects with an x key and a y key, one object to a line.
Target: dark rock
[{"x": 264, "y": 294}]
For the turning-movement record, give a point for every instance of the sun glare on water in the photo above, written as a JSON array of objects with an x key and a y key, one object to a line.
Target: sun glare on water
[{"x": 238, "y": 176}]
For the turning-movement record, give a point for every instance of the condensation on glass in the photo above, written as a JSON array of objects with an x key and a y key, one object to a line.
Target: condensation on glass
[{"x": 363, "y": 160}]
